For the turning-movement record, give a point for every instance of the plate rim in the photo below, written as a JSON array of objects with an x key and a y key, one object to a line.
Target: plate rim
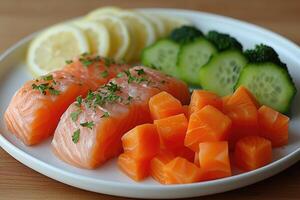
[{"x": 26, "y": 158}]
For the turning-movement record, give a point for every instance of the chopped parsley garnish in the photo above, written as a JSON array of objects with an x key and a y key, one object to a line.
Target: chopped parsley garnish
[
  {"x": 76, "y": 136},
  {"x": 86, "y": 62},
  {"x": 88, "y": 124},
  {"x": 47, "y": 77},
  {"x": 44, "y": 87},
  {"x": 69, "y": 61},
  {"x": 75, "y": 114},
  {"x": 112, "y": 87},
  {"x": 140, "y": 71},
  {"x": 119, "y": 75},
  {"x": 78, "y": 101},
  {"x": 104, "y": 74},
  {"x": 106, "y": 114}
]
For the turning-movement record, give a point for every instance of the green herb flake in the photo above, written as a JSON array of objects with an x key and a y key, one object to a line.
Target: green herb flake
[
  {"x": 140, "y": 71},
  {"x": 75, "y": 114},
  {"x": 106, "y": 114},
  {"x": 47, "y": 77},
  {"x": 119, "y": 75},
  {"x": 76, "y": 136},
  {"x": 108, "y": 62},
  {"x": 78, "y": 101},
  {"x": 53, "y": 91},
  {"x": 88, "y": 124},
  {"x": 85, "y": 62},
  {"x": 69, "y": 61},
  {"x": 104, "y": 74}
]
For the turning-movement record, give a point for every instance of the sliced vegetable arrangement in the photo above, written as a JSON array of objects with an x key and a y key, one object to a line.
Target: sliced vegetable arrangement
[
  {"x": 109, "y": 32},
  {"x": 213, "y": 127},
  {"x": 216, "y": 62}
]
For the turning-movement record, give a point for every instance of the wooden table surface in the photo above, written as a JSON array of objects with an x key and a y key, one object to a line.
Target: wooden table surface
[{"x": 20, "y": 18}]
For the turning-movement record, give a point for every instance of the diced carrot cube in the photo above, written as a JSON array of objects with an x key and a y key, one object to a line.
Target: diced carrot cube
[
  {"x": 135, "y": 169},
  {"x": 186, "y": 110},
  {"x": 273, "y": 126},
  {"x": 141, "y": 142},
  {"x": 180, "y": 171},
  {"x": 201, "y": 98},
  {"x": 172, "y": 131},
  {"x": 158, "y": 163},
  {"x": 252, "y": 152},
  {"x": 207, "y": 125},
  {"x": 242, "y": 110},
  {"x": 164, "y": 105},
  {"x": 214, "y": 160}
]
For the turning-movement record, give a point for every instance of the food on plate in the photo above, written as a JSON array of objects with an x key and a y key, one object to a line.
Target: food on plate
[
  {"x": 207, "y": 125},
  {"x": 108, "y": 31},
  {"x": 268, "y": 79},
  {"x": 106, "y": 114},
  {"x": 171, "y": 131},
  {"x": 164, "y": 105},
  {"x": 273, "y": 126},
  {"x": 252, "y": 152},
  {"x": 97, "y": 35},
  {"x": 51, "y": 48},
  {"x": 198, "y": 148},
  {"x": 241, "y": 109},
  {"x": 36, "y": 107},
  {"x": 180, "y": 171},
  {"x": 214, "y": 160}
]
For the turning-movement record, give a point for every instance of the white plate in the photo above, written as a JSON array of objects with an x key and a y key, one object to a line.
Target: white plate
[{"x": 108, "y": 179}]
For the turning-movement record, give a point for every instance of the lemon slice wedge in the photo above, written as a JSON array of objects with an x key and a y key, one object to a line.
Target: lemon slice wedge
[
  {"x": 119, "y": 35},
  {"x": 170, "y": 23},
  {"x": 51, "y": 48},
  {"x": 97, "y": 35},
  {"x": 109, "y": 10},
  {"x": 156, "y": 22}
]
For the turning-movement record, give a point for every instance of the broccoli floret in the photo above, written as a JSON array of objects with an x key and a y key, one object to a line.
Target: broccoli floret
[
  {"x": 263, "y": 53},
  {"x": 223, "y": 41},
  {"x": 185, "y": 34}
]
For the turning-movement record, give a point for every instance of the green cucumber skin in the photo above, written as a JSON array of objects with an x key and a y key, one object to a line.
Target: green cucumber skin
[
  {"x": 212, "y": 74},
  {"x": 189, "y": 61},
  {"x": 282, "y": 80},
  {"x": 155, "y": 56}
]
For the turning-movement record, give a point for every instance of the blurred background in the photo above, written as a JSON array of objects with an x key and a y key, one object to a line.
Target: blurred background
[{"x": 19, "y": 18}]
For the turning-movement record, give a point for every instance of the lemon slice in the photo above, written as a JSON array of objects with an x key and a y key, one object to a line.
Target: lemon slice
[
  {"x": 50, "y": 49},
  {"x": 119, "y": 35},
  {"x": 97, "y": 35},
  {"x": 109, "y": 10},
  {"x": 144, "y": 33},
  {"x": 156, "y": 22}
]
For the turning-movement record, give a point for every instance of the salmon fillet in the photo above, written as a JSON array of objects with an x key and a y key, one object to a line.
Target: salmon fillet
[
  {"x": 36, "y": 108},
  {"x": 94, "y": 135}
]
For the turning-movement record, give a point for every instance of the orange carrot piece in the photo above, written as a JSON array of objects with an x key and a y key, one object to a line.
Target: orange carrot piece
[
  {"x": 184, "y": 152},
  {"x": 214, "y": 160},
  {"x": 252, "y": 152},
  {"x": 172, "y": 131},
  {"x": 180, "y": 171},
  {"x": 242, "y": 110},
  {"x": 207, "y": 125},
  {"x": 158, "y": 163},
  {"x": 273, "y": 126},
  {"x": 135, "y": 169},
  {"x": 141, "y": 142},
  {"x": 164, "y": 105},
  {"x": 196, "y": 159},
  {"x": 201, "y": 98}
]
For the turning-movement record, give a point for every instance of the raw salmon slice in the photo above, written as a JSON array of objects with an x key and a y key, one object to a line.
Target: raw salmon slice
[
  {"x": 94, "y": 136},
  {"x": 37, "y": 106}
]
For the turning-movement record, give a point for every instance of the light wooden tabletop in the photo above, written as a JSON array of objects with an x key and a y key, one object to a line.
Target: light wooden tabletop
[{"x": 20, "y": 18}]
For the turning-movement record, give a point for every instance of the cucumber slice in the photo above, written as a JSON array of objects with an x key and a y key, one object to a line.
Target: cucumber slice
[
  {"x": 163, "y": 56},
  {"x": 271, "y": 84},
  {"x": 221, "y": 73},
  {"x": 192, "y": 56}
]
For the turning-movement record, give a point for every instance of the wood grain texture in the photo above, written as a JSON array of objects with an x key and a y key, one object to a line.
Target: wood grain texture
[{"x": 20, "y": 18}]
